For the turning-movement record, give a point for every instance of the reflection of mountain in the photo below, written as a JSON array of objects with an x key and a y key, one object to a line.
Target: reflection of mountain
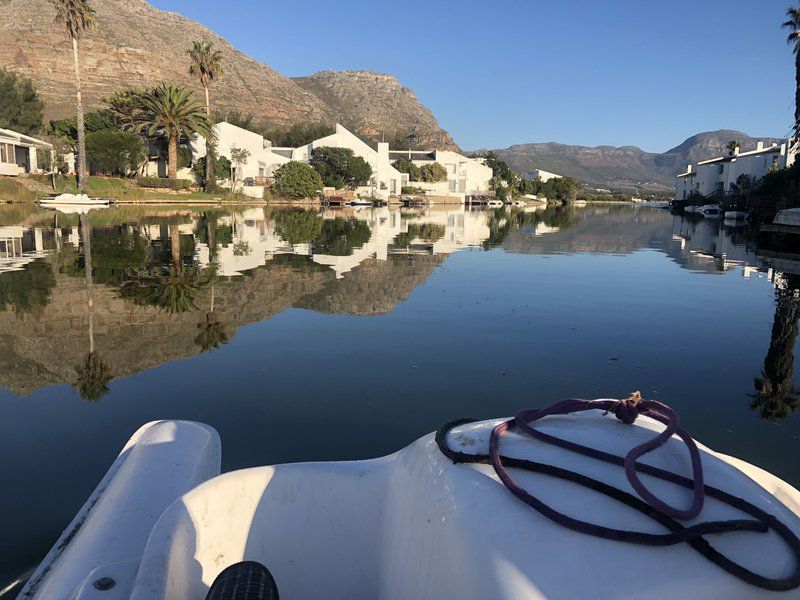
[
  {"x": 42, "y": 348},
  {"x": 603, "y": 230},
  {"x": 376, "y": 287}
]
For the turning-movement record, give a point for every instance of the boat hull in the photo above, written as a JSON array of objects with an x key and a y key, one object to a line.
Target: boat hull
[{"x": 415, "y": 525}]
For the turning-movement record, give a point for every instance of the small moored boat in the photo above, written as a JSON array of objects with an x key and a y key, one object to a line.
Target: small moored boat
[
  {"x": 536, "y": 506},
  {"x": 74, "y": 200}
]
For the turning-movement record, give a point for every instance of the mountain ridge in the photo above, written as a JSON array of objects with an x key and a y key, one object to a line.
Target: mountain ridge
[
  {"x": 624, "y": 167},
  {"x": 143, "y": 46}
]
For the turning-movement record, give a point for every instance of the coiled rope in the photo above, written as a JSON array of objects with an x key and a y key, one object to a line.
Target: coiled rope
[{"x": 647, "y": 503}]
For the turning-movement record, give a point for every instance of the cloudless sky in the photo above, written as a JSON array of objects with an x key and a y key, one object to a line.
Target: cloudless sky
[{"x": 502, "y": 72}]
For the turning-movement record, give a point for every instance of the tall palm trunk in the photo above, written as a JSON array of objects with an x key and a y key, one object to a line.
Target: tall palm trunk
[
  {"x": 172, "y": 153},
  {"x": 87, "y": 257},
  {"x": 797, "y": 95},
  {"x": 81, "y": 163},
  {"x": 211, "y": 154}
]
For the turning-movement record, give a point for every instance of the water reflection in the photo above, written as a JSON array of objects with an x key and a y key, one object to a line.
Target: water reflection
[
  {"x": 776, "y": 396},
  {"x": 164, "y": 283},
  {"x": 93, "y": 372}
]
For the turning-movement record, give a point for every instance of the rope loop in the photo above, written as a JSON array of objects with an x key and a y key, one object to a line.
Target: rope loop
[{"x": 627, "y": 411}]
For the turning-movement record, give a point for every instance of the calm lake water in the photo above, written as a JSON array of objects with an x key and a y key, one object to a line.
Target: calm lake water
[{"x": 305, "y": 335}]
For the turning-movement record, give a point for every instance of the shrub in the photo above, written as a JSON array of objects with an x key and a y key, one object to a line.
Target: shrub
[
  {"x": 113, "y": 152},
  {"x": 433, "y": 173},
  {"x": 297, "y": 226},
  {"x": 163, "y": 182},
  {"x": 410, "y": 189},
  {"x": 296, "y": 180}
]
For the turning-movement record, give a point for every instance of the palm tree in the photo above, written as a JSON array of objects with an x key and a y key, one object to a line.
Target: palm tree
[
  {"x": 93, "y": 373},
  {"x": 207, "y": 66},
  {"x": 173, "y": 112},
  {"x": 775, "y": 396},
  {"x": 793, "y": 23},
  {"x": 77, "y": 16},
  {"x": 731, "y": 147}
]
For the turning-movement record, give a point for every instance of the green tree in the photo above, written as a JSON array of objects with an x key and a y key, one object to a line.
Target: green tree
[
  {"x": 433, "y": 173},
  {"x": 77, "y": 16},
  {"x": 406, "y": 165},
  {"x": 20, "y": 106},
  {"x": 340, "y": 167},
  {"x": 222, "y": 169},
  {"x": 732, "y": 146},
  {"x": 358, "y": 172},
  {"x": 298, "y": 134},
  {"x": 172, "y": 112},
  {"x": 297, "y": 226},
  {"x": 793, "y": 23},
  {"x": 206, "y": 66},
  {"x": 239, "y": 157},
  {"x": 296, "y": 180},
  {"x": 114, "y": 152},
  {"x": 127, "y": 108}
]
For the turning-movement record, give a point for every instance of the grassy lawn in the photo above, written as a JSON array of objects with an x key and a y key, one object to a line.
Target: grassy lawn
[
  {"x": 11, "y": 189},
  {"x": 114, "y": 187}
]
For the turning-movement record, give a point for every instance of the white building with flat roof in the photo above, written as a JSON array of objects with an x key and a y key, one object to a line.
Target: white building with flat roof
[
  {"x": 465, "y": 176},
  {"x": 18, "y": 153},
  {"x": 542, "y": 174},
  {"x": 721, "y": 174}
]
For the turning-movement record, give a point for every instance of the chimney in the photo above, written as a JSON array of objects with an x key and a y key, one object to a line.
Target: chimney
[
  {"x": 689, "y": 168},
  {"x": 759, "y": 146}
]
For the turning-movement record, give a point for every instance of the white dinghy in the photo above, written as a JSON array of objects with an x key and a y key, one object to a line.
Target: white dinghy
[
  {"x": 164, "y": 524},
  {"x": 74, "y": 200}
]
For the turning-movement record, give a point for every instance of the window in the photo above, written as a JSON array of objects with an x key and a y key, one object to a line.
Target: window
[
  {"x": 453, "y": 184},
  {"x": 7, "y": 154},
  {"x": 454, "y": 169}
]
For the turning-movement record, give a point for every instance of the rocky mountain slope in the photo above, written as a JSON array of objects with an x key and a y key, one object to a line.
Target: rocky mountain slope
[
  {"x": 137, "y": 45},
  {"x": 377, "y": 105},
  {"x": 625, "y": 167}
]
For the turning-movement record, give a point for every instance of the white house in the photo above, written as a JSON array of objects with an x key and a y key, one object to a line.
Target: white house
[
  {"x": 18, "y": 153},
  {"x": 385, "y": 181},
  {"x": 542, "y": 174},
  {"x": 720, "y": 174},
  {"x": 465, "y": 176},
  {"x": 265, "y": 158}
]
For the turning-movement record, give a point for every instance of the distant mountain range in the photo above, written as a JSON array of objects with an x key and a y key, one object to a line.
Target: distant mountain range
[{"x": 627, "y": 167}]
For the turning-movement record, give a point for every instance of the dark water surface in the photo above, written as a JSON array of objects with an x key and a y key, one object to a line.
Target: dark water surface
[{"x": 350, "y": 334}]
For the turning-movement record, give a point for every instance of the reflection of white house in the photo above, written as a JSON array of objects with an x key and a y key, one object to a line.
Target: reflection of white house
[
  {"x": 265, "y": 159},
  {"x": 465, "y": 176},
  {"x": 18, "y": 153},
  {"x": 20, "y": 246},
  {"x": 255, "y": 240},
  {"x": 721, "y": 174}
]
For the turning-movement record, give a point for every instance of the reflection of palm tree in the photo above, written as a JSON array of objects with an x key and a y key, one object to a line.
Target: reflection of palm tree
[
  {"x": 93, "y": 373},
  {"x": 212, "y": 332},
  {"x": 776, "y": 397},
  {"x": 175, "y": 290}
]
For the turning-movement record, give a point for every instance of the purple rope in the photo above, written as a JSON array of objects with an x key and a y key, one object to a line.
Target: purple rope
[{"x": 626, "y": 411}]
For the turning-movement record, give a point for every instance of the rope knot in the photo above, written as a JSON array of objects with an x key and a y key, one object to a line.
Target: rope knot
[{"x": 627, "y": 410}]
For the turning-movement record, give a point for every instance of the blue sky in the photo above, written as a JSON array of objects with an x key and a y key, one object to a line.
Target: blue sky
[{"x": 617, "y": 72}]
